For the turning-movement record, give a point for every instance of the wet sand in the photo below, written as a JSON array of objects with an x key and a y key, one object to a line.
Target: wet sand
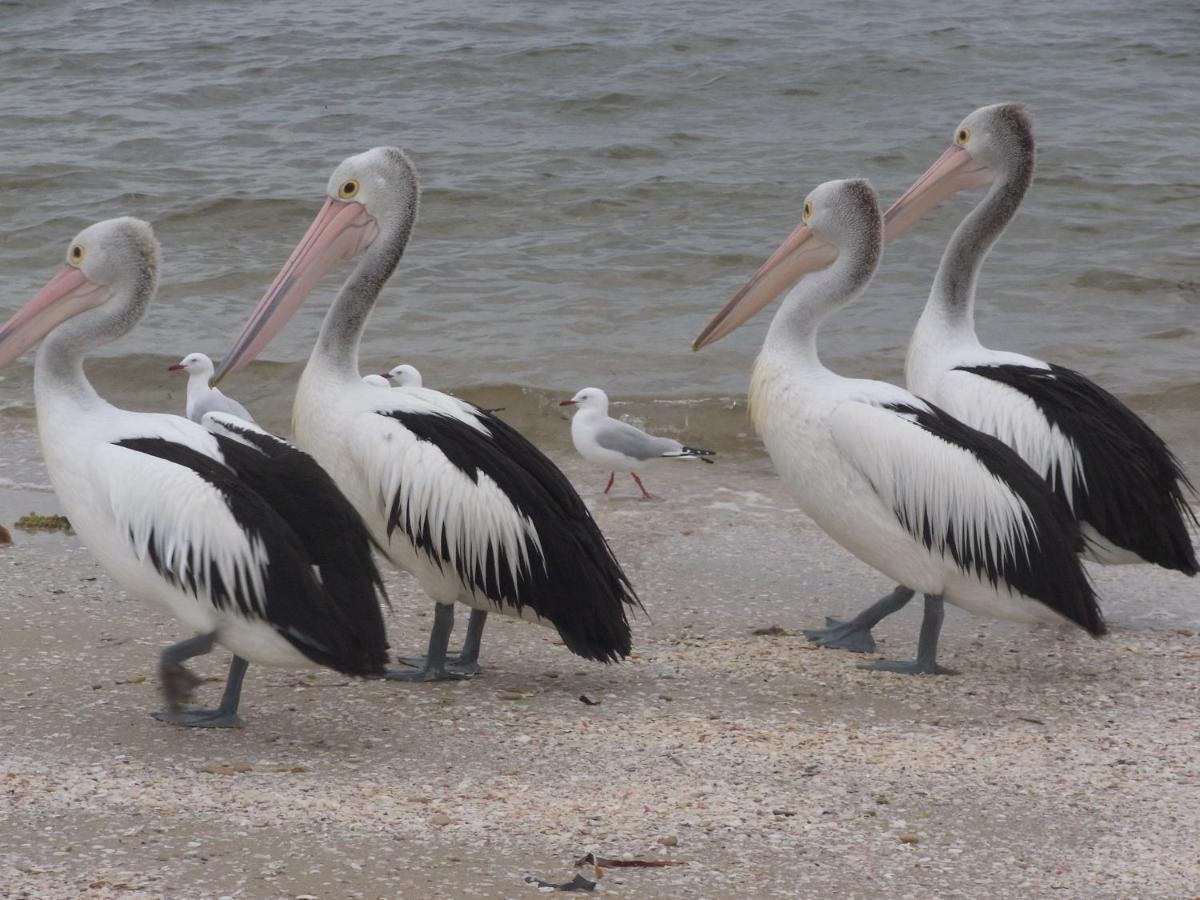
[{"x": 1053, "y": 765}]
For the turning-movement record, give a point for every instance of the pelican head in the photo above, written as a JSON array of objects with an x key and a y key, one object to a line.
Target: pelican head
[
  {"x": 110, "y": 275},
  {"x": 836, "y": 214},
  {"x": 371, "y": 194},
  {"x": 194, "y": 364},
  {"x": 590, "y": 399},
  {"x": 403, "y": 375},
  {"x": 992, "y": 142}
]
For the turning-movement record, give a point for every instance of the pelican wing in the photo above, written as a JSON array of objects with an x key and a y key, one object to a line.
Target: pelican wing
[
  {"x": 192, "y": 520},
  {"x": 476, "y": 498},
  {"x": 968, "y": 497},
  {"x": 1109, "y": 465}
]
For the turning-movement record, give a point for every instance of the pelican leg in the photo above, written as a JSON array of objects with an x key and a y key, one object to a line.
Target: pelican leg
[
  {"x": 466, "y": 661},
  {"x": 432, "y": 667},
  {"x": 855, "y": 635},
  {"x": 225, "y": 715},
  {"x": 927, "y": 644}
]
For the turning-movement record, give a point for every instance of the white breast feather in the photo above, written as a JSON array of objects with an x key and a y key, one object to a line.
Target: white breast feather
[
  {"x": 926, "y": 477},
  {"x": 152, "y": 499},
  {"x": 475, "y": 515},
  {"x": 1014, "y": 418}
]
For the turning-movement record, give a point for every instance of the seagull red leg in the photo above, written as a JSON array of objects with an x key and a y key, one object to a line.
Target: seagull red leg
[
  {"x": 646, "y": 495},
  {"x": 611, "y": 477}
]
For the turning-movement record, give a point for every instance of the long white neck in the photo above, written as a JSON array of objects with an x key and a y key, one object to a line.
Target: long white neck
[
  {"x": 792, "y": 337},
  {"x": 950, "y": 308},
  {"x": 336, "y": 350}
]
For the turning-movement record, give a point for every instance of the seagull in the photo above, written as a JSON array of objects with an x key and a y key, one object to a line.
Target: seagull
[
  {"x": 617, "y": 445},
  {"x": 201, "y": 398},
  {"x": 450, "y": 492},
  {"x": 403, "y": 375},
  {"x": 235, "y": 532},
  {"x": 1124, "y": 485},
  {"x": 905, "y": 487}
]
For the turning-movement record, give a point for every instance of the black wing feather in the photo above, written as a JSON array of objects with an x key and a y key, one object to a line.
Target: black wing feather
[
  {"x": 1049, "y": 569},
  {"x": 323, "y": 621},
  {"x": 575, "y": 582},
  {"x": 1131, "y": 489}
]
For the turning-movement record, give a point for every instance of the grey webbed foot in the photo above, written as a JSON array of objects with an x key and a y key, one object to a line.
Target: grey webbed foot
[
  {"x": 457, "y": 664},
  {"x": 425, "y": 672},
  {"x": 915, "y": 667},
  {"x": 200, "y": 718},
  {"x": 842, "y": 636}
]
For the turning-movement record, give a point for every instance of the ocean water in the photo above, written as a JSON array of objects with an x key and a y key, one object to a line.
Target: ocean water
[{"x": 598, "y": 178}]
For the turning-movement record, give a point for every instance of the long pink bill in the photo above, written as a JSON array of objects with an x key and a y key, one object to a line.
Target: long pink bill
[
  {"x": 955, "y": 170},
  {"x": 340, "y": 230},
  {"x": 801, "y": 253},
  {"x": 66, "y": 294}
]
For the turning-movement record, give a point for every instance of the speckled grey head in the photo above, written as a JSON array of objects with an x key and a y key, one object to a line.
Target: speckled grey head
[
  {"x": 109, "y": 279},
  {"x": 384, "y": 181}
]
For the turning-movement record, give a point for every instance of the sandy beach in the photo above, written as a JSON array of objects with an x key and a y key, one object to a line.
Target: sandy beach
[{"x": 1053, "y": 765}]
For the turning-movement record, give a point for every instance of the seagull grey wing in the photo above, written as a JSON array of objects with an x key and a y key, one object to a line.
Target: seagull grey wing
[
  {"x": 621, "y": 437},
  {"x": 215, "y": 401}
]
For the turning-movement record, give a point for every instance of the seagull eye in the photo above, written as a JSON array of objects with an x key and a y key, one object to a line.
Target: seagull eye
[
  {"x": 964, "y": 135},
  {"x": 348, "y": 190},
  {"x": 807, "y": 210},
  {"x": 76, "y": 254}
]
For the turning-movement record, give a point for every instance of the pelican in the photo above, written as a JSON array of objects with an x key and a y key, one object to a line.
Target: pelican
[
  {"x": 403, "y": 375},
  {"x": 450, "y": 492},
  {"x": 619, "y": 446},
  {"x": 207, "y": 521},
  {"x": 201, "y": 398},
  {"x": 906, "y": 488},
  {"x": 1126, "y": 489}
]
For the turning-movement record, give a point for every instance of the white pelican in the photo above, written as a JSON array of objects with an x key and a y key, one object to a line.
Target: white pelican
[
  {"x": 936, "y": 505},
  {"x": 617, "y": 445},
  {"x": 403, "y": 375},
  {"x": 1125, "y": 487},
  {"x": 237, "y": 533},
  {"x": 201, "y": 398},
  {"x": 451, "y": 493}
]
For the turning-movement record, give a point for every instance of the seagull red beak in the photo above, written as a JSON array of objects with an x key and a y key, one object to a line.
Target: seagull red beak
[
  {"x": 801, "y": 253},
  {"x": 568, "y": 402},
  {"x": 175, "y": 368},
  {"x": 955, "y": 170},
  {"x": 340, "y": 230},
  {"x": 65, "y": 295}
]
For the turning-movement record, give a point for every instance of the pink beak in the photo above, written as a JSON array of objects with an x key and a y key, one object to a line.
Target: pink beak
[
  {"x": 340, "y": 230},
  {"x": 801, "y": 253},
  {"x": 955, "y": 170},
  {"x": 66, "y": 294},
  {"x": 568, "y": 402},
  {"x": 175, "y": 368}
]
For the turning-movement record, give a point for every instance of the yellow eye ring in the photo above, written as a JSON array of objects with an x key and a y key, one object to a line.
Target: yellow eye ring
[
  {"x": 964, "y": 135},
  {"x": 76, "y": 254},
  {"x": 807, "y": 210},
  {"x": 348, "y": 189}
]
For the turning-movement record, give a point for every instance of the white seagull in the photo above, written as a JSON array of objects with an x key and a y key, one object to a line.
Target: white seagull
[
  {"x": 619, "y": 446},
  {"x": 1123, "y": 484},
  {"x": 934, "y": 504},
  {"x": 235, "y": 532},
  {"x": 403, "y": 375},
  {"x": 450, "y": 492},
  {"x": 201, "y": 398}
]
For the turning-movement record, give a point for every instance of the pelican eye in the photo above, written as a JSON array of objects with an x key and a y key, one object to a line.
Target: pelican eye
[
  {"x": 348, "y": 190},
  {"x": 76, "y": 254},
  {"x": 964, "y": 135},
  {"x": 807, "y": 210}
]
